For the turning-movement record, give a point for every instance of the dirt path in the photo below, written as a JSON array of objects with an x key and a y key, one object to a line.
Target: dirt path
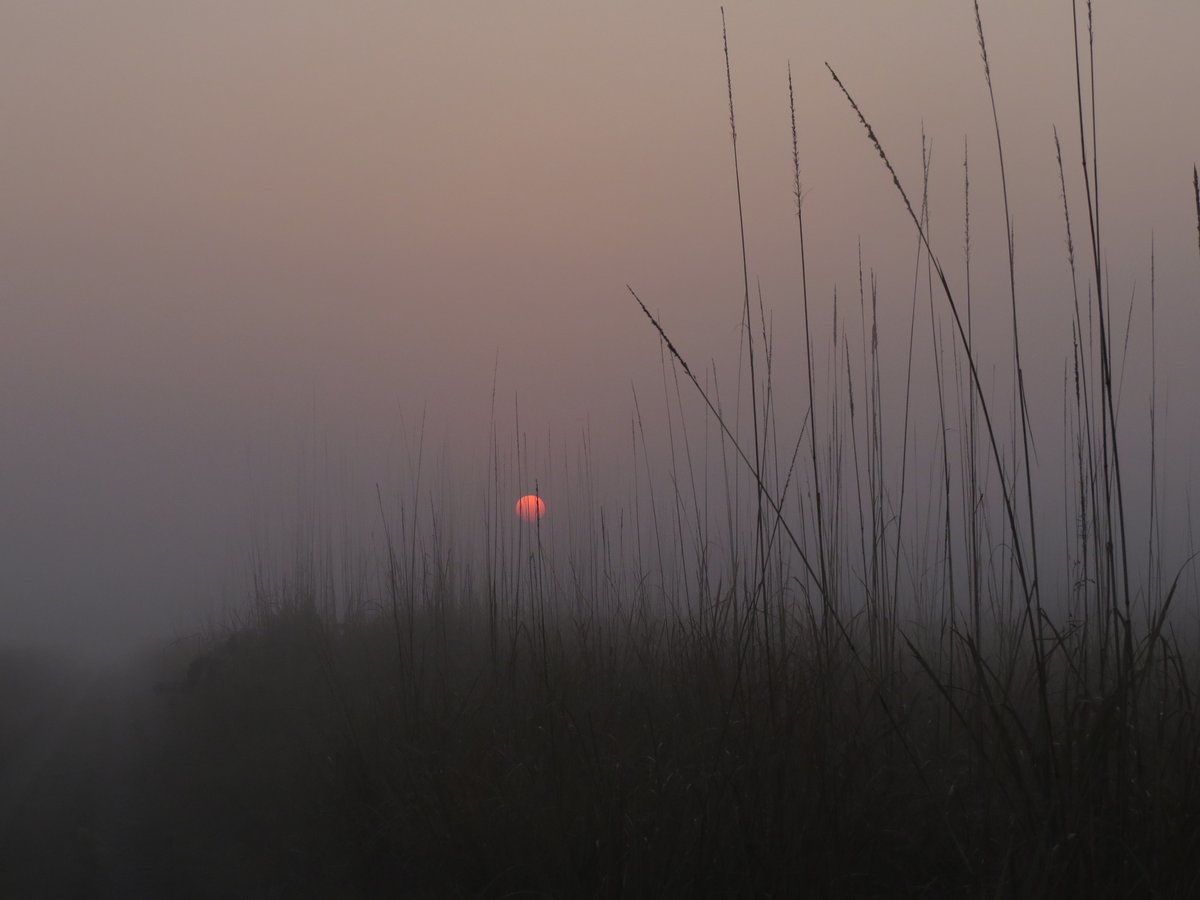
[{"x": 74, "y": 816}]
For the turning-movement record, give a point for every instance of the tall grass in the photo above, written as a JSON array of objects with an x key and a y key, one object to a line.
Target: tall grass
[{"x": 749, "y": 675}]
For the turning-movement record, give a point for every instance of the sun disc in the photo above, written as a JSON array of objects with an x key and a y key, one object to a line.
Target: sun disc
[{"x": 530, "y": 508}]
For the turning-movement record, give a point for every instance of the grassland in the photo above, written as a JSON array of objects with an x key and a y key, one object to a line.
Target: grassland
[{"x": 774, "y": 705}]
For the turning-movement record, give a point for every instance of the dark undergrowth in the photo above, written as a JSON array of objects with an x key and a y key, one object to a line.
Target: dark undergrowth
[{"x": 310, "y": 761}]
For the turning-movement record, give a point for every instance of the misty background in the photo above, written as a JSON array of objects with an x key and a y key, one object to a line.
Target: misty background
[{"x": 246, "y": 251}]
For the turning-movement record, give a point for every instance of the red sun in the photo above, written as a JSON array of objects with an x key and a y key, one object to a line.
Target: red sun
[{"x": 531, "y": 508}]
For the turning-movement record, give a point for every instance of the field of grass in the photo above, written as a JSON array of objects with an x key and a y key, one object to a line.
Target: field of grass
[{"x": 796, "y": 692}]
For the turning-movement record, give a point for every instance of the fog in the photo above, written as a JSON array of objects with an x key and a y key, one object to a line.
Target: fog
[{"x": 252, "y": 257}]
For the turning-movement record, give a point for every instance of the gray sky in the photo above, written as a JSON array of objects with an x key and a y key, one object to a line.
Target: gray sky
[{"x": 243, "y": 243}]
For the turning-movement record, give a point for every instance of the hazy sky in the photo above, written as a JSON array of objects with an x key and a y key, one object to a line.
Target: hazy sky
[{"x": 236, "y": 237}]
